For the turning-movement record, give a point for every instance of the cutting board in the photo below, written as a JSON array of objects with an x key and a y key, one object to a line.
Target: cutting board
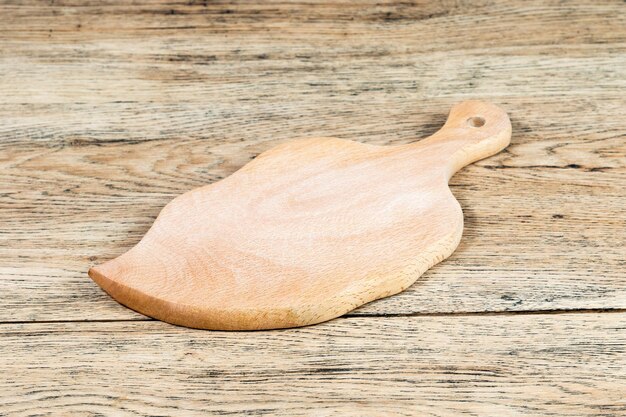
[{"x": 307, "y": 231}]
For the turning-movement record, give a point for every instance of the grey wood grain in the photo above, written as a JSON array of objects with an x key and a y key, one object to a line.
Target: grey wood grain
[
  {"x": 521, "y": 365},
  {"x": 109, "y": 110}
]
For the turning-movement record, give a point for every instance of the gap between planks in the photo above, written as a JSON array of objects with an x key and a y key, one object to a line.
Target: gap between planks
[{"x": 369, "y": 315}]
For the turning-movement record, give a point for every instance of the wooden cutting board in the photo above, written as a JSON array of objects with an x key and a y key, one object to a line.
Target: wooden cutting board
[{"x": 307, "y": 231}]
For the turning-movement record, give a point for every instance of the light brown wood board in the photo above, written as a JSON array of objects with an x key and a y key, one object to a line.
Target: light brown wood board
[{"x": 306, "y": 232}]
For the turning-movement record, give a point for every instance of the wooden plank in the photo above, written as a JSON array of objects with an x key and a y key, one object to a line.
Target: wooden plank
[
  {"x": 104, "y": 119},
  {"x": 467, "y": 23},
  {"x": 520, "y": 365}
]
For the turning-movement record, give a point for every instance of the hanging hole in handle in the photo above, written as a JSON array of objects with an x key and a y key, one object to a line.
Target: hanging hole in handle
[{"x": 476, "y": 121}]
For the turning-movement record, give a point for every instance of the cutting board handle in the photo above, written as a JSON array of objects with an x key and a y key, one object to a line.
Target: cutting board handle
[{"x": 474, "y": 130}]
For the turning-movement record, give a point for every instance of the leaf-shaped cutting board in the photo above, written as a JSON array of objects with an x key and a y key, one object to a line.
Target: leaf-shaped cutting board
[{"x": 307, "y": 231}]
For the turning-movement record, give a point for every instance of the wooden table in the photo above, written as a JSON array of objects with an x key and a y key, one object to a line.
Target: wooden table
[{"x": 109, "y": 111}]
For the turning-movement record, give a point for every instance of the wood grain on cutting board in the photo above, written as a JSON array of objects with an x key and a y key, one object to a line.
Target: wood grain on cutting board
[{"x": 306, "y": 232}]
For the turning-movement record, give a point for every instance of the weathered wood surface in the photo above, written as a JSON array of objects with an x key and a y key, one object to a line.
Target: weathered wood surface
[
  {"x": 109, "y": 111},
  {"x": 535, "y": 365}
]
